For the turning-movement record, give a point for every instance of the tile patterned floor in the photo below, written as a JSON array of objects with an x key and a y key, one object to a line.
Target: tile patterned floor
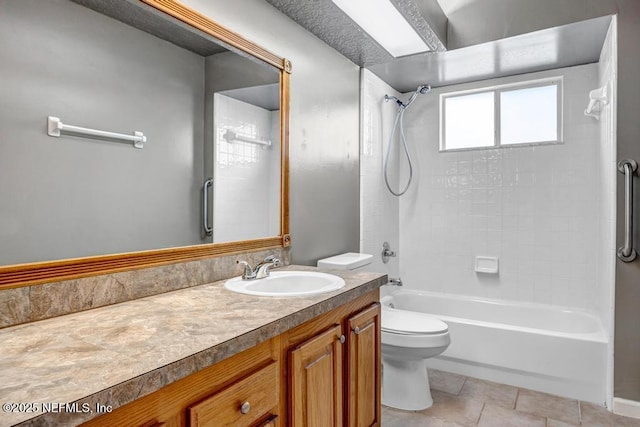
[{"x": 464, "y": 401}]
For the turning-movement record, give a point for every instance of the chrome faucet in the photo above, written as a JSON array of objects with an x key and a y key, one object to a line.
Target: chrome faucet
[{"x": 262, "y": 269}]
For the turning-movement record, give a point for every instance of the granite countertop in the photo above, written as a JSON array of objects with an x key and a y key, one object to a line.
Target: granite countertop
[{"x": 116, "y": 354}]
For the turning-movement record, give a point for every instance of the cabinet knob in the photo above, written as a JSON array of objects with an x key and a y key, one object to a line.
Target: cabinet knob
[
  {"x": 356, "y": 330},
  {"x": 342, "y": 339},
  {"x": 245, "y": 408}
]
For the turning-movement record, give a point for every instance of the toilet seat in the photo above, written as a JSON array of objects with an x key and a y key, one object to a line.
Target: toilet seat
[{"x": 405, "y": 322}]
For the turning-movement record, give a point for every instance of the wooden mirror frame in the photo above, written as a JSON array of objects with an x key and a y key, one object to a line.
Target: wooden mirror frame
[{"x": 18, "y": 275}]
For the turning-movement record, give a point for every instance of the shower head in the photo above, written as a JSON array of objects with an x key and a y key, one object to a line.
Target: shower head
[{"x": 423, "y": 89}]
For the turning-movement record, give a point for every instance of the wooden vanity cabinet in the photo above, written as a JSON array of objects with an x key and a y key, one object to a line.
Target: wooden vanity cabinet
[
  {"x": 214, "y": 396},
  {"x": 325, "y": 372},
  {"x": 334, "y": 368}
]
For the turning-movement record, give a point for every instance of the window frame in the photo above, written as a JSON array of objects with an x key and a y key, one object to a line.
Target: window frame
[{"x": 497, "y": 91}]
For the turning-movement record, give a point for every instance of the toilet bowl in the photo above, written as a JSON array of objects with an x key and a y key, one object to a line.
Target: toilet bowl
[{"x": 408, "y": 340}]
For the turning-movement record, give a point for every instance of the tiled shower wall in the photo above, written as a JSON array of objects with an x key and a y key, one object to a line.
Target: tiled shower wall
[
  {"x": 378, "y": 208},
  {"x": 246, "y": 186},
  {"x": 536, "y": 208}
]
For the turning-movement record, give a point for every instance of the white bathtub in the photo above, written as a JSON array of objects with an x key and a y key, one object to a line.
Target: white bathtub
[{"x": 544, "y": 348}]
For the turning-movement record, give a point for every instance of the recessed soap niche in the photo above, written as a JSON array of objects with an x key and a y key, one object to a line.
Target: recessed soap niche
[{"x": 487, "y": 265}]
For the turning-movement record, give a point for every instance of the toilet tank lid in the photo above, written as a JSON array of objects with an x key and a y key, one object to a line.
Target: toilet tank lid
[
  {"x": 346, "y": 261},
  {"x": 411, "y": 322}
]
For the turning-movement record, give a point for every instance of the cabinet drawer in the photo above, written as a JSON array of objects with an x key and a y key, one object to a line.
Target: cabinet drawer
[{"x": 241, "y": 403}]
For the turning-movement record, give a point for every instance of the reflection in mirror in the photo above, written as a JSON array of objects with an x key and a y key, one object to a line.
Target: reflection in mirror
[
  {"x": 246, "y": 164},
  {"x": 245, "y": 125},
  {"x": 76, "y": 195}
]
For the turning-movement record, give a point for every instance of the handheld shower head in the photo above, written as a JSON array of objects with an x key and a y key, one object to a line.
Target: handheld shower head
[
  {"x": 402, "y": 106},
  {"x": 423, "y": 89}
]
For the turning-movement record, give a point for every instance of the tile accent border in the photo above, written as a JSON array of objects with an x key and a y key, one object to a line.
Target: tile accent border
[{"x": 38, "y": 302}]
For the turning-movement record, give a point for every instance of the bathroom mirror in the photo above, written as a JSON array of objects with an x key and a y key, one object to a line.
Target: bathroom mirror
[{"x": 195, "y": 163}]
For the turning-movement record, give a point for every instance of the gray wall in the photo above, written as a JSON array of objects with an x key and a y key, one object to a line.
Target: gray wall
[
  {"x": 73, "y": 196},
  {"x": 627, "y": 299},
  {"x": 324, "y": 194}
]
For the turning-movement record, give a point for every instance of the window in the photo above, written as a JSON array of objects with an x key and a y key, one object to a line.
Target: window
[{"x": 516, "y": 114}]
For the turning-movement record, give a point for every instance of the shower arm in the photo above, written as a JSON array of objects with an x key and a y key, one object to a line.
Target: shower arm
[{"x": 421, "y": 90}]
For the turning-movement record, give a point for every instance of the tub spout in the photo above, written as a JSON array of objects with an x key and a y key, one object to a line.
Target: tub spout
[{"x": 395, "y": 282}]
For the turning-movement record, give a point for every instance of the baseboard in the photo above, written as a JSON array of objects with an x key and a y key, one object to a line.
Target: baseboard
[{"x": 627, "y": 408}]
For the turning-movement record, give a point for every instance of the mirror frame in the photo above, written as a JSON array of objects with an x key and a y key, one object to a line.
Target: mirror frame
[{"x": 18, "y": 275}]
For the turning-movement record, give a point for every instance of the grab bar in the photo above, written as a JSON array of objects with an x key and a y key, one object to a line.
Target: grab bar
[
  {"x": 55, "y": 126},
  {"x": 627, "y": 167},
  {"x": 231, "y": 136},
  {"x": 205, "y": 203}
]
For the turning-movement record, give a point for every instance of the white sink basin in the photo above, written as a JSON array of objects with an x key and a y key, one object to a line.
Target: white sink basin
[{"x": 287, "y": 284}]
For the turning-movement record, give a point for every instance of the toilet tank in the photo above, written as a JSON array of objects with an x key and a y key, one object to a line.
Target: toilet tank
[{"x": 346, "y": 261}]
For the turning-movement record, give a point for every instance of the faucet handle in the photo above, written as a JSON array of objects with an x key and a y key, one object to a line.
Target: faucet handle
[
  {"x": 272, "y": 259},
  {"x": 248, "y": 271}
]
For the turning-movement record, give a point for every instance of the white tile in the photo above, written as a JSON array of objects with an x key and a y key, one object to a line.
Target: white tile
[
  {"x": 480, "y": 165},
  {"x": 542, "y": 290},
  {"x": 540, "y": 198},
  {"x": 465, "y": 167}
]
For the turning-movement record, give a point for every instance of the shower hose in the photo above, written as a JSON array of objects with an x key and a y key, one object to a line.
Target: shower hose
[{"x": 398, "y": 121}]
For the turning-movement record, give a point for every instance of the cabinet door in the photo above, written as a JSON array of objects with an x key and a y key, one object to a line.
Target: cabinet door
[
  {"x": 364, "y": 368},
  {"x": 316, "y": 380}
]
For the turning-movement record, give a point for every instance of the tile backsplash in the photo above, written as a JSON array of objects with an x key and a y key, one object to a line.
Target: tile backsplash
[{"x": 38, "y": 302}]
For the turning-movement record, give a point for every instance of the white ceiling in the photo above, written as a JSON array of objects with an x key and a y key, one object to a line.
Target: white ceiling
[
  {"x": 558, "y": 47},
  {"x": 483, "y": 38},
  {"x": 478, "y": 21}
]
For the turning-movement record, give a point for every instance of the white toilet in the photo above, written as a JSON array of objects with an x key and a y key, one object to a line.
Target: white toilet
[{"x": 409, "y": 338}]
